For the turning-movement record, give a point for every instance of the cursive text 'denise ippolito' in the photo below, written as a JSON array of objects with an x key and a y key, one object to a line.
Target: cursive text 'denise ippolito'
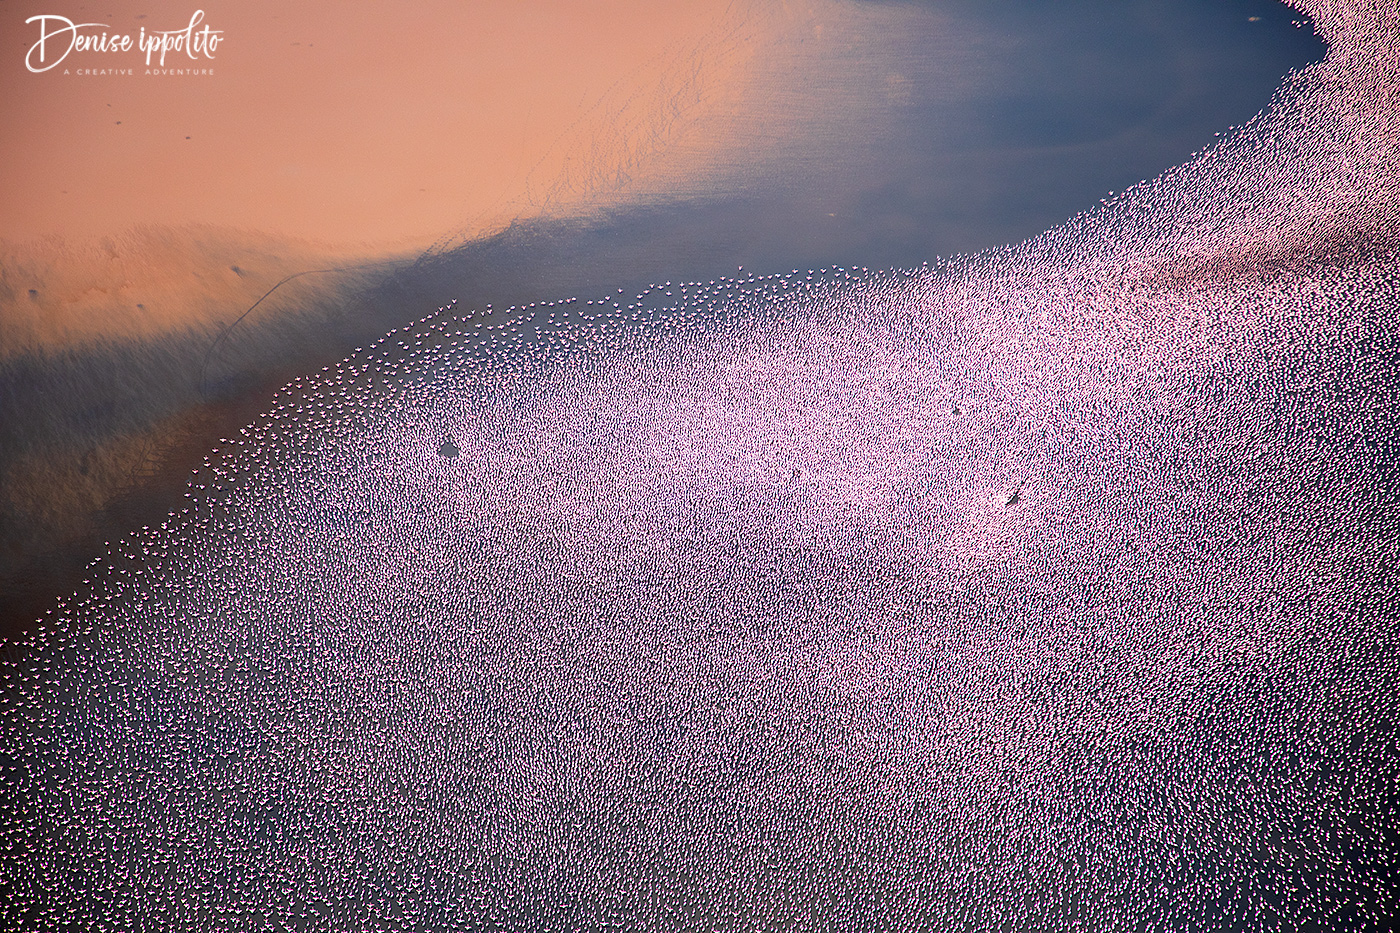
[{"x": 59, "y": 37}]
